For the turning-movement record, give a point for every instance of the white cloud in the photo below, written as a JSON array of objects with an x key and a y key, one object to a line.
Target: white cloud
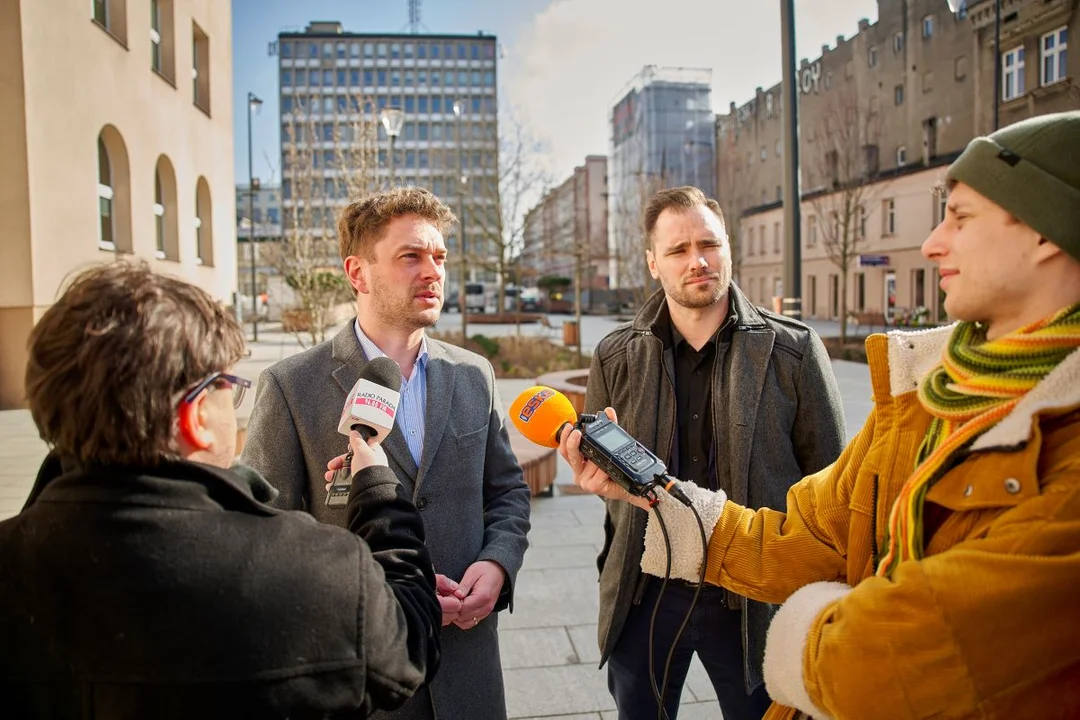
[{"x": 575, "y": 57}]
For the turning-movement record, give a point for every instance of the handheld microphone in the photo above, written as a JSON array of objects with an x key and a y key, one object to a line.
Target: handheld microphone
[
  {"x": 540, "y": 413},
  {"x": 370, "y": 409}
]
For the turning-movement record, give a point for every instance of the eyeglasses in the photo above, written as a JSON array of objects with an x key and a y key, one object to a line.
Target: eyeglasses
[{"x": 239, "y": 386}]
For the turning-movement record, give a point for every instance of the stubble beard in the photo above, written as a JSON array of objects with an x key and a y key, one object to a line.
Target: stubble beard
[{"x": 693, "y": 296}]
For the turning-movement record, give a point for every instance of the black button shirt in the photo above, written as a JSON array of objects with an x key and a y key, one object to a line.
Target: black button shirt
[{"x": 693, "y": 398}]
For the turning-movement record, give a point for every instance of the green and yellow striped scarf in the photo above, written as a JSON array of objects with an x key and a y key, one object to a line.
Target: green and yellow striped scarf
[{"x": 978, "y": 383}]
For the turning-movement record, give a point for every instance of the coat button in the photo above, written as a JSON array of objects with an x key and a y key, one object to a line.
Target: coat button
[
  {"x": 968, "y": 490},
  {"x": 421, "y": 503},
  {"x": 1012, "y": 486}
]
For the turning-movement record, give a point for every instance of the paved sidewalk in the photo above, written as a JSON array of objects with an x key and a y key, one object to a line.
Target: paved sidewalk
[{"x": 549, "y": 649}]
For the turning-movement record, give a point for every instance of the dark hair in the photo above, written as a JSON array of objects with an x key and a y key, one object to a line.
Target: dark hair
[
  {"x": 109, "y": 361},
  {"x": 363, "y": 221},
  {"x": 680, "y": 199}
]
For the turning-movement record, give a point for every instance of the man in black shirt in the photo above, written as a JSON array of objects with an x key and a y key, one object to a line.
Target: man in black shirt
[{"x": 733, "y": 398}]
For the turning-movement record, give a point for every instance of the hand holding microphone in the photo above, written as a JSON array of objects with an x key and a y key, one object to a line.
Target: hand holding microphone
[
  {"x": 605, "y": 459},
  {"x": 367, "y": 418}
]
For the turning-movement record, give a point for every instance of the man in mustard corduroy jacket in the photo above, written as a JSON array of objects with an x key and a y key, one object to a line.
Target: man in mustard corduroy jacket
[{"x": 933, "y": 570}]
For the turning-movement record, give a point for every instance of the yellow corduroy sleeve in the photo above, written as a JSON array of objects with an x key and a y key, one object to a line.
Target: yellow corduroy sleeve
[
  {"x": 987, "y": 626},
  {"x": 768, "y": 554}
]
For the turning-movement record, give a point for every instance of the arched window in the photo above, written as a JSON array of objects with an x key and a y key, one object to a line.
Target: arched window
[
  {"x": 204, "y": 226},
  {"x": 166, "y": 230},
  {"x": 106, "y": 225},
  {"x": 113, "y": 192}
]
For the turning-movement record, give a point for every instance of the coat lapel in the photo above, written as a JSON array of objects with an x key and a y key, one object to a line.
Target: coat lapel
[
  {"x": 751, "y": 349},
  {"x": 347, "y": 351},
  {"x": 440, "y": 390}
]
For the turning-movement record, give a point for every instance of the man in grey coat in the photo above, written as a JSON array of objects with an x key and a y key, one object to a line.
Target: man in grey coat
[
  {"x": 732, "y": 397},
  {"x": 448, "y": 446}
]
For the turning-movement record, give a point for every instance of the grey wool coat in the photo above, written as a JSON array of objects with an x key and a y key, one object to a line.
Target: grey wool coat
[
  {"x": 777, "y": 416},
  {"x": 469, "y": 489}
]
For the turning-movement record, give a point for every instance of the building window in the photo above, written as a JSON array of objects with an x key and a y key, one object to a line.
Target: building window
[
  {"x": 811, "y": 231},
  {"x": 204, "y": 226},
  {"x": 107, "y": 225},
  {"x": 928, "y": 26},
  {"x": 888, "y": 217},
  {"x": 1053, "y": 47},
  {"x": 162, "y": 55},
  {"x": 928, "y": 81},
  {"x": 828, "y": 81},
  {"x": 960, "y": 68},
  {"x": 860, "y": 222},
  {"x": 155, "y": 35},
  {"x": 901, "y": 156},
  {"x": 871, "y": 56},
  {"x": 776, "y": 238},
  {"x": 112, "y": 16},
  {"x": 159, "y": 215},
  {"x": 200, "y": 68},
  {"x": 750, "y": 241},
  {"x": 761, "y": 239},
  {"x": 1012, "y": 74},
  {"x": 764, "y": 153},
  {"x": 860, "y": 292},
  {"x": 918, "y": 288},
  {"x": 898, "y": 41},
  {"x": 166, "y": 231},
  {"x": 898, "y": 95},
  {"x": 961, "y": 12}
]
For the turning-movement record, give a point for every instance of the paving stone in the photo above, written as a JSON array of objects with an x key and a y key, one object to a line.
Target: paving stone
[
  {"x": 559, "y": 556},
  {"x": 585, "y": 643},
  {"x": 539, "y": 647},
  {"x": 566, "y": 690}
]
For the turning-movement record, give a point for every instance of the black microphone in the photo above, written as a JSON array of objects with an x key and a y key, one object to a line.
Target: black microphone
[{"x": 370, "y": 409}]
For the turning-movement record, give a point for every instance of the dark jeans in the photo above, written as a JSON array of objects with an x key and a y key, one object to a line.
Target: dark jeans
[{"x": 714, "y": 633}]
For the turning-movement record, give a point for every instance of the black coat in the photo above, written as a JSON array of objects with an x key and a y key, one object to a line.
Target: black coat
[{"x": 174, "y": 593}]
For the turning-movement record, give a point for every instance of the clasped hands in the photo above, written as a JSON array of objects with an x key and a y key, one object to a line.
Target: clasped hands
[{"x": 463, "y": 603}]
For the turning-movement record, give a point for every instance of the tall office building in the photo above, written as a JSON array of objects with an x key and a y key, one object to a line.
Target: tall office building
[
  {"x": 117, "y": 141},
  {"x": 662, "y": 135},
  {"x": 335, "y": 86}
]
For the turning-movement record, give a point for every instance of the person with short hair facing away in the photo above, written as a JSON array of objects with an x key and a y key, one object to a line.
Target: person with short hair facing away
[
  {"x": 144, "y": 578},
  {"x": 448, "y": 446},
  {"x": 933, "y": 570}
]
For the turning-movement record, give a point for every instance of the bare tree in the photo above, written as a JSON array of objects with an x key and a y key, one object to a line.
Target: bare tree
[
  {"x": 499, "y": 218},
  {"x": 846, "y": 169},
  {"x": 630, "y": 244},
  {"x": 329, "y": 156}
]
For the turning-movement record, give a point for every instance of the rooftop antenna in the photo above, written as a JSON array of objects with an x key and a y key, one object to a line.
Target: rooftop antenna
[{"x": 414, "y": 17}]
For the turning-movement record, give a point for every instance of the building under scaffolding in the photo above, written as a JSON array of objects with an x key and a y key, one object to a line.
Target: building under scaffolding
[{"x": 662, "y": 135}]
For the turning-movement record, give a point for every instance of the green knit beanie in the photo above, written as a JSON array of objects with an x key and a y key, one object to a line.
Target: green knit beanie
[{"x": 1031, "y": 169}]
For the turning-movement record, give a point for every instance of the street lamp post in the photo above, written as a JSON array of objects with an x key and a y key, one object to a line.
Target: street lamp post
[
  {"x": 254, "y": 103},
  {"x": 392, "y": 120},
  {"x": 792, "y": 276},
  {"x": 463, "y": 179},
  {"x": 956, "y": 6}
]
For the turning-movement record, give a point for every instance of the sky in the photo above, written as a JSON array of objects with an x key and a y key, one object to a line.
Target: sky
[{"x": 564, "y": 63}]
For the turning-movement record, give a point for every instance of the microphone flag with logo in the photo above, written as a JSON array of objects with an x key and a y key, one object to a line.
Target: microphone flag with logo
[
  {"x": 540, "y": 412},
  {"x": 371, "y": 405}
]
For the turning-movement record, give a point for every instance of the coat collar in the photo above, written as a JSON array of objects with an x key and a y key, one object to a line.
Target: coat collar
[
  {"x": 654, "y": 312},
  {"x": 176, "y": 483},
  {"x": 913, "y": 354}
]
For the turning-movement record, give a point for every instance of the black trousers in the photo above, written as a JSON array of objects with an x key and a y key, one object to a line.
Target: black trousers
[{"x": 714, "y": 633}]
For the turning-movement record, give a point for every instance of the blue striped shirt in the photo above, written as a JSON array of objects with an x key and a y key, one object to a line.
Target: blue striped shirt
[{"x": 413, "y": 404}]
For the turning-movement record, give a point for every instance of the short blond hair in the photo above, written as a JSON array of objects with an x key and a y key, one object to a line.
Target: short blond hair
[{"x": 363, "y": 221}]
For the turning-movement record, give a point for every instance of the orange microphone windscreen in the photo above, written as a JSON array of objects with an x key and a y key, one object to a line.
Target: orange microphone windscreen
[{"x": 540, "y": 412}]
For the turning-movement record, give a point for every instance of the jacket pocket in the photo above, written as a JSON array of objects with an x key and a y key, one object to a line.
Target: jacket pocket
[{"x": 471, "y": 438}]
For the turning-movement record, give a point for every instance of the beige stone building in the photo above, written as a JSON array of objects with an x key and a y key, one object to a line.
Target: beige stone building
[
  {"x": 116, "y": 133},
  {"x": 881, "y": 115}
]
